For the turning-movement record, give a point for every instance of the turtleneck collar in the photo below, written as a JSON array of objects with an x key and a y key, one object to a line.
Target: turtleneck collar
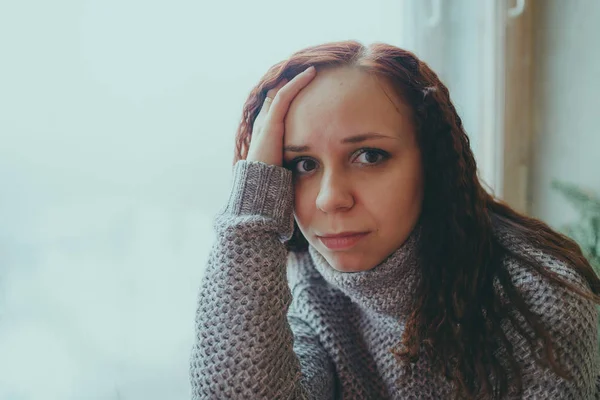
[{"x": 388, "y": 288}]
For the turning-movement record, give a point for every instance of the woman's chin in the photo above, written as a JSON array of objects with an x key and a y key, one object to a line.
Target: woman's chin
[{"x": 348, "y": 262}]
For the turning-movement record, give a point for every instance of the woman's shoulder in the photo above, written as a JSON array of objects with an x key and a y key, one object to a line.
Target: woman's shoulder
[
  {"x": 524, "y": 275},
  {"x": 570, "y": 320},
  {"x": 557, "y": 305}
]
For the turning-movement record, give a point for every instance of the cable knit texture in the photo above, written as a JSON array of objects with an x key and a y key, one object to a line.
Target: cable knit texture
[{"x": 272, "y": 325}]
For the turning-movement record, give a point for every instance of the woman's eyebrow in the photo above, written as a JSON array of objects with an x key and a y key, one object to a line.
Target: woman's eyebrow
[
  {"x": 364, "y": 136},
  {"x": 351, "y": 139}
]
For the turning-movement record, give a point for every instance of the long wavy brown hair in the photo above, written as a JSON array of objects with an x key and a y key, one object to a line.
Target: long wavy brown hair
[{"x": 458, "y": 314}]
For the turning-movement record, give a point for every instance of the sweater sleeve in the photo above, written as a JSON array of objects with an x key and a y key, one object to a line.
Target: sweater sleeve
[{"x": 245, "y": 347}]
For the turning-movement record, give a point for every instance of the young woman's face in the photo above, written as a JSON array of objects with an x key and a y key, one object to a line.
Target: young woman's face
[{"x": 352, "y": 147}]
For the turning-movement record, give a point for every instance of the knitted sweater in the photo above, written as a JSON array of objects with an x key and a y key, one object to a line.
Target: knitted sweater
[{"x": 272, "y": 325}]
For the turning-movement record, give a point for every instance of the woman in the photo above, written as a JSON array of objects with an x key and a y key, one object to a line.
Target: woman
[{"x": 359, "y": 257}]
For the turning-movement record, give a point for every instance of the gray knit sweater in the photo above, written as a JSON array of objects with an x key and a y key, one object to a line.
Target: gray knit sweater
[{"x": 272, "y": 325}]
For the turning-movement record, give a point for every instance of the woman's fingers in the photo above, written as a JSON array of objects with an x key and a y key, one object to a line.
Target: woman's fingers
[
  {"x": 266, "y": 144},
  {"x": 270, "y": 96},
  {"x": 284, "y": 96}
]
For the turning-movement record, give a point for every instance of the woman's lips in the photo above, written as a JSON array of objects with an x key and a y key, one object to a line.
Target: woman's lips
[{"x": 342, "y": 242}]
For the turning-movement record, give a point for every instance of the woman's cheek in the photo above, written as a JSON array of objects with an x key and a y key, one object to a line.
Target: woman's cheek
[{"x": 304, "y": 203}]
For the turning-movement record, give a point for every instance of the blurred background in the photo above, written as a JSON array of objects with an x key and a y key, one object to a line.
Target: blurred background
[{"x": 117, "y": 121}]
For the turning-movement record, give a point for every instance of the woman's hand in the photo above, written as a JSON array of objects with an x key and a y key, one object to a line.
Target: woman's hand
[{"x": 266, "y": 144}]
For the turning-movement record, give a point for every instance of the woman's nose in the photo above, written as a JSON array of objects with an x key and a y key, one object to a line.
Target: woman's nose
[{"x": 334, "y": 194}]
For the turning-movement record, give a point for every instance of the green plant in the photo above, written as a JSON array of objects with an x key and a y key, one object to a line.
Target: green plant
[{"x": 586, "y": 229}]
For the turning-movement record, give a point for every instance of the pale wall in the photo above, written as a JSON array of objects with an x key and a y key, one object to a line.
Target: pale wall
[{"x": 567, "y": 104}]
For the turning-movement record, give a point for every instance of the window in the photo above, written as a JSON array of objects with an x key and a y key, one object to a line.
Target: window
[{"x": 116, "y": 146}]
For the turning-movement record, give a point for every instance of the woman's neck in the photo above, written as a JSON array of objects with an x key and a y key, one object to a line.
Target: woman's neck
[{"x": 388, "y": 288}]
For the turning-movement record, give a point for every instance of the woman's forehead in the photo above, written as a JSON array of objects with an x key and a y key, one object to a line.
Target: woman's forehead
[{"x": 345, "y": 100}]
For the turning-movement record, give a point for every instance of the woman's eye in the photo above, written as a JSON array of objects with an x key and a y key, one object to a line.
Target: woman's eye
[
  {"x": 304, "y": 165},
  {"x": 371, "y": 156}
]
